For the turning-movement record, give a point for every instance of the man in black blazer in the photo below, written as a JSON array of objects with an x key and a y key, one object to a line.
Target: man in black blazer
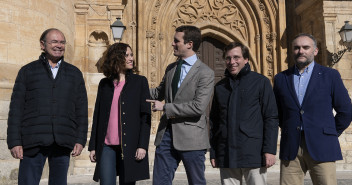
[
  {"x": 306, "y": 95},
  {"x": 244, "y": 121},
  {"x": 48, "y": 115}
]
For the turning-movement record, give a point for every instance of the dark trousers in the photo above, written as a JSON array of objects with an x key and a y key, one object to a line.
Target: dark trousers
[
  {"x": 110, "y": 158},
  {"x": 167, "y": 159},
  {"x": 31, "y": 167}
]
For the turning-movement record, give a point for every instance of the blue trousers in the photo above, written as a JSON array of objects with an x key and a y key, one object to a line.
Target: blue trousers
[
  {"x": 109, "y": 162},
  {"x": 167, "y": 159},
  {"x": 31, "y": 168}
]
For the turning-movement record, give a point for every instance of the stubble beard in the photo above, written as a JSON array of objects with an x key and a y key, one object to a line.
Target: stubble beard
[{"x": 302, "y": 65}]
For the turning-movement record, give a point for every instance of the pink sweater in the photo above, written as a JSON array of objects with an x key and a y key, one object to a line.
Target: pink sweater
[{"x": 113, "y": 133}]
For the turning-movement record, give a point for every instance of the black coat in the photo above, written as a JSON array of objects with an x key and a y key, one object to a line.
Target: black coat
[
  {"x": 244, "y": 120},
  {"x": 135, "y": 123},
  {"x": 44, "y": 110}
]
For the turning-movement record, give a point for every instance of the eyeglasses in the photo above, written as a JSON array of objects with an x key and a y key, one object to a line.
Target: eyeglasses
[
  {"x": 235, "y": 58},
  {"x": 56, "y": 42}
]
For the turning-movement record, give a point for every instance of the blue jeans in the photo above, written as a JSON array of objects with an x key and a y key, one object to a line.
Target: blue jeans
[
  {"x": 167, "y": 159},
  {"x": 31, "y": 168},
  {"x": 109, "y": 162}
]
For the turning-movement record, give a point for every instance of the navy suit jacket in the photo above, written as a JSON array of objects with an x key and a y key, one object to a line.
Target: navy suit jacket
[{"x": 324, "y": 93}]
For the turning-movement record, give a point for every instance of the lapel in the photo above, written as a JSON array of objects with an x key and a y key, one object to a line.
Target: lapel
[
  {"x": 312, "y": 81},
  {"x": 110, "y": 90},
  {"x": 169, "y": 77},
  {"x": 290, "y": 84},
  {"x": 194, "y": 69}
]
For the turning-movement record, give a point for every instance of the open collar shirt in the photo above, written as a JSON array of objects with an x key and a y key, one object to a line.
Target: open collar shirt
[
  {"x": 186, "y": 66},
  {"x": 301, "y": 81}
]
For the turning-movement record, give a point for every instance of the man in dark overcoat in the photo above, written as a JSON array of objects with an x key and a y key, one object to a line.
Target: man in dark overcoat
[
  {"x": 244, "y": 121},
  {"x": 48, "y": 115}
]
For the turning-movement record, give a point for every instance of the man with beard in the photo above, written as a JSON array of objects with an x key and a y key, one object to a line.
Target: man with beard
[
  {"x": 48, "y": 116},
  {"x": 306, "y": 95}
]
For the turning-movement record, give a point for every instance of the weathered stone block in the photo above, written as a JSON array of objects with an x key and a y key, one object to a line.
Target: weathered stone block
[
  {"x": 44, "y": 6},
  {"x": 347, "y": 146},
  {"x": 349, "y": 138},
  {"x": 3, "y": 131},
  {"x": 8, "y": 74},
  {"x": 83, "y": 163},
  {"x": 30, "y": 53},
  {"x": 5, "y": 15},
  {"x": 8, "y": 32},
  {"x": 3, "y": 53},
  {"x": 84, "y": 171},
  {"x": 4, "y": 109},
  {"x": 5, "y": 154},
  {"x": 345, "y": 74},
  {"x": 9, "y": 169},
  {"x": 17, "y": 3},
  {"x": 5, "y": 94}
]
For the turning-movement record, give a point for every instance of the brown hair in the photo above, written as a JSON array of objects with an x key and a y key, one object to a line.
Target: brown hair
[
  {"x": 115, "y": 60},
  {"x": 244, "y": 49},
  {"x": 191, "y": 33},
  {"x": 46, "y": 32}
]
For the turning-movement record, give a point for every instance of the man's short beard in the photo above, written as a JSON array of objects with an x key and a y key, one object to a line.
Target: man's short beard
[{"x": 301, "y": 65}]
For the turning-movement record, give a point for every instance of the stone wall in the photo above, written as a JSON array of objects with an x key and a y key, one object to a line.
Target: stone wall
[
  {"x": 22, "y": 22},
  {"x": 335, "y": 14},
  {"x": 150, "y": 27}
]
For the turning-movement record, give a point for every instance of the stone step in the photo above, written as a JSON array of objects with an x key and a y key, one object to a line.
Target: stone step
[{"x": 343, "y": 178}]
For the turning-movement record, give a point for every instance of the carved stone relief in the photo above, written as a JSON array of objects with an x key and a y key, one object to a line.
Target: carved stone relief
[
  {"x": 222, "y": 11},
  {"x": 152, "y": 40},
  {"x": 270, "y": 39}
]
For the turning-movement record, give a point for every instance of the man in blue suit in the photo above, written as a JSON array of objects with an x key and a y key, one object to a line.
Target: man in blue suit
[{"x": 306, "y": 95}]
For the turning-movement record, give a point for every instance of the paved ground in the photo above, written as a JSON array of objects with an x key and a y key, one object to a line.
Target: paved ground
[{"x": 344, "y": 178}]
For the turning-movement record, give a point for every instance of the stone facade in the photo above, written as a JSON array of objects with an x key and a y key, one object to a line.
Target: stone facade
[
  {"x": 150, "y": 25},
  {"x": 22, "y": 22}
]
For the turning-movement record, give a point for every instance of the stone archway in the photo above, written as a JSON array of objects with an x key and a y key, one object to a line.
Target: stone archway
[{"x": 252, "y": 22}]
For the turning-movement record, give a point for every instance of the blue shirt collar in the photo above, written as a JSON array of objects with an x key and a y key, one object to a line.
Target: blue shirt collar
[
  {"x": 191, "y": 60},
  {"x": 308, "y": 69},
  {"x": 57, "y": 65}
]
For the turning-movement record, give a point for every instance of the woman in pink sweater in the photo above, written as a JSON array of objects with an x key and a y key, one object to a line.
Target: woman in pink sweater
[{"x": 121, "y": 121}]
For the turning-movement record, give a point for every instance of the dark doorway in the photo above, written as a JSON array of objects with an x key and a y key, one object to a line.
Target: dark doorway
[{"x": 210, "y": 52}]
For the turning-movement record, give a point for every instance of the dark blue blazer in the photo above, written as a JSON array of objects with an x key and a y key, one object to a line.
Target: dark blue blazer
[{"x": 324, "y": 93}]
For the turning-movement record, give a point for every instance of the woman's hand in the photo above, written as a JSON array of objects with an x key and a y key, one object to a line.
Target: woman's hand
[
  {"x": 92, "y": 156},
  {"x": 140, "y": 154}
]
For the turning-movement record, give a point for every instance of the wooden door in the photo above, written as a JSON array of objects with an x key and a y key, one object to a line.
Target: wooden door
[{"x": 210, "y": 52}]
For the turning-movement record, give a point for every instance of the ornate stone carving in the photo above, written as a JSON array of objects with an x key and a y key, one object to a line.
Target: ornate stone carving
[
  {"x": 222, "y": 11},
  {"x": 270, "y": 39},
  {"x": 151, "y": 35},
  {"x": 132, "y": 25},
  {"x": 161, "y": 36}
]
